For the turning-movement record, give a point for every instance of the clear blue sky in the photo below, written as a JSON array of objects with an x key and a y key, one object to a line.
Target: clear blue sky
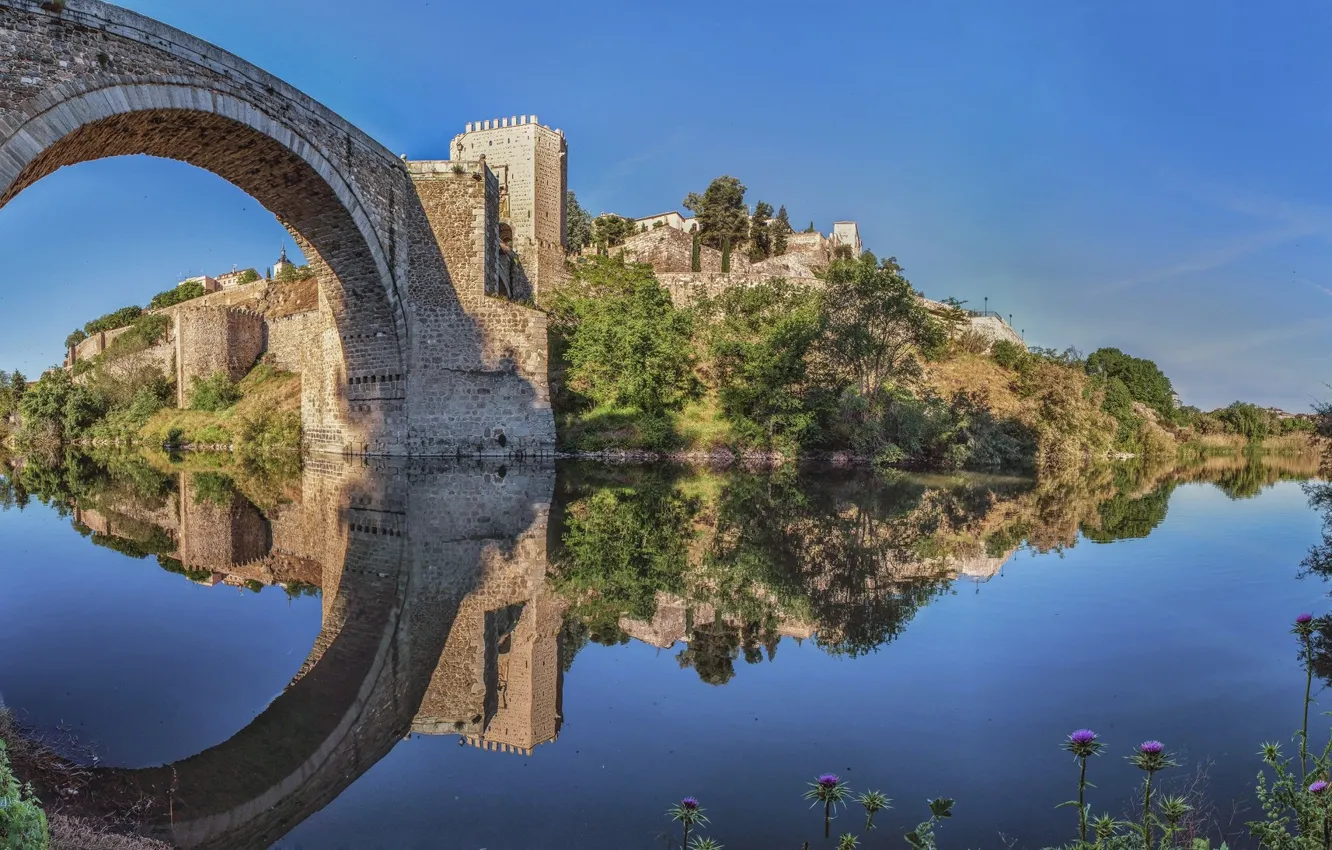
[{"x": 1153, "y": 176}]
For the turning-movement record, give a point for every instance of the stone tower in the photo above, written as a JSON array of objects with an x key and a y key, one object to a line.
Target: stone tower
[
  {"x": 531, "y": 162},
  {"x": 282, "y": 264}
]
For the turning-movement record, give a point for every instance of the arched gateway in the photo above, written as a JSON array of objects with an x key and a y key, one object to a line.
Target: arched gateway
[{"x": 412, "y": 353}]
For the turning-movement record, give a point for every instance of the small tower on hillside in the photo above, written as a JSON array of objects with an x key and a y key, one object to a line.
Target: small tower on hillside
[{"x": 282, "y": 264}]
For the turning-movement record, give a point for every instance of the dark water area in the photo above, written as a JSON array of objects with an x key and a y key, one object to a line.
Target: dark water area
[{"x": 402, "y": 655}]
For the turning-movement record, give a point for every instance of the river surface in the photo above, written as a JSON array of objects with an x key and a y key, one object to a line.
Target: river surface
[{"x": 462, "y": 656}]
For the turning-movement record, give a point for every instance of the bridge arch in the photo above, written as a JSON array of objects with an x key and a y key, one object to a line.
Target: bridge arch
[
  {"x": 409, "y": 354},
  {"x": 116, "y": 84}
]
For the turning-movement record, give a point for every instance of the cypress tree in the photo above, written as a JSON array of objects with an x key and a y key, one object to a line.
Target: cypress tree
[
  {"x": 696, "y": 254},
  {"x": 726, "y": 254}
]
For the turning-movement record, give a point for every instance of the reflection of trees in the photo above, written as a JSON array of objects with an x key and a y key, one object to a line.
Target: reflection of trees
[{"x": 621, "y": 545}]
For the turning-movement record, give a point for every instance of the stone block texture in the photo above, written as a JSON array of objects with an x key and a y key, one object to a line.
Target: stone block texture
[{"x": 85, "y": 80}]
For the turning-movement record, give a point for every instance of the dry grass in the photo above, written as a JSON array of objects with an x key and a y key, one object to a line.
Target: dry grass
[
  {"x": 68, "y": 833},
  {"x": 265, "y": 391},
  {"x": 978, "y": 374}
]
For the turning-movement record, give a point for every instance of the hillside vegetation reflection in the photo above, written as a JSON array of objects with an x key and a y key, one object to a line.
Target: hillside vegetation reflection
[{"x": 456, "y": 596}]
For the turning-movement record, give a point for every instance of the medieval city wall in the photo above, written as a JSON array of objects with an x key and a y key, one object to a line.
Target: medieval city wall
[
  {"x": 671, "y": 251},
  {"x": 210, "y": 340}
]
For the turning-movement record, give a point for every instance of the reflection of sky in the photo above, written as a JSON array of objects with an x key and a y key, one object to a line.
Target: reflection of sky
[
  {"x": 1182, "y": 636},
  {"x": 1140, "y": 174},
  {"x": 146, "y": 665}
]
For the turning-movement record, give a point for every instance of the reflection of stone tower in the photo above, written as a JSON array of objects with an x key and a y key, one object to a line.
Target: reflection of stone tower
[
  {"x": 498, "y": 682},
  {"x": 219, "y": 530},
  {"x": 531, "y": 163}
]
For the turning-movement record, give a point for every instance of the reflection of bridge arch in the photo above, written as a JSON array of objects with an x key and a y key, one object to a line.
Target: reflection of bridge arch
[{"x": 401, "y": 552}]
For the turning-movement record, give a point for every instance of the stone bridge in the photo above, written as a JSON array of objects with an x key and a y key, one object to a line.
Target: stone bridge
[
  {"x": 418, "y": 353},
  {"x": 418, "y": 563}
]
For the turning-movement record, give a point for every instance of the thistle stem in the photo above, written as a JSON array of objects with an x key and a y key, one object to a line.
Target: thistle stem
[
  {"x": 1147, "y": 814},
  {"x": 685, "y": 844},
  {"x": 1308, "y": 689},
  {"x": 827, "y": 817},
  {"x": 1082, "y": 808}
]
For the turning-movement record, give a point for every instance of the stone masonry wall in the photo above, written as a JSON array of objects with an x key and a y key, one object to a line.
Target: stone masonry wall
[
  {"x": 670, "y": 251},
  {"x": 216, "y": 339},
  {"x": 96, "y": 344},
  {"x": 505, "y": 404},
  {"x": 288, "y": 340}
]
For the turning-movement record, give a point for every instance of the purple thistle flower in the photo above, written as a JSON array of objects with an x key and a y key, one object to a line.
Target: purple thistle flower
[
  {"x": 828, "y": 780},
  {"x": 1304, "y": 619},
  {"x": 1318, "y": 787},
  {"x": 690, "y": 803},
  {"x": 1152, "y": 748},
  {"x": 1082, "y": 736}
]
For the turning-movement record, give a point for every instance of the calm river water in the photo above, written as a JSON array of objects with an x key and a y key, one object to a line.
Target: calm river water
[{"x": 462, "y": 656}]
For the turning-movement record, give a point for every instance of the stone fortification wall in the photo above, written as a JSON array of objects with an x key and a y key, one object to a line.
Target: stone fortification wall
[
  {"x": 273, "y": 300},
  {"x": 687, "y": 289},
  {"x": 288, "y": 339},
  {"x": 814, "y": 243},
  {"x": 671, "y": 251},
  {"x": 95, "y": 344},
  {"x": 216, "y": 339},
  {"x": 995, "y": 330},
  {"x": 161, "y": 357},
  {"x": 804, "y": 264}
]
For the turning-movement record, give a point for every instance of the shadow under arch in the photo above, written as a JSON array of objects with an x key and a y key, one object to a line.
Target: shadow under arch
[
  {"x": 183, "y": 119},
  {"x": 402, "y": 548}
]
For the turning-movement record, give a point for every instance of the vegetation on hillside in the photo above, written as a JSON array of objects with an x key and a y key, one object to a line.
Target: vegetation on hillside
[{"x": 856, "y": 365}]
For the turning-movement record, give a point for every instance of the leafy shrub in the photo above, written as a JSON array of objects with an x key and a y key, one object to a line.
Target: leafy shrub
[
  {"x": 247, "y": 276},
  {"x": 22, "y": 821},
  {"x": 177, "y": 295},
  {"x": 1008, "y": 354},
  {"x": 215, "y": 393},
  {"x": 119, "y": 319}
]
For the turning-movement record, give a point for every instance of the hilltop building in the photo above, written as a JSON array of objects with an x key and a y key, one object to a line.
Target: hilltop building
[{"x": 282, "y": 264}]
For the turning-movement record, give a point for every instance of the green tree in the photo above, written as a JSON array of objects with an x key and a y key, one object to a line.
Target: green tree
[
  {"x": 186, "y": 291},
  {"x": 43, "y": 405},
  {"x": 75, "y": 338},
  {"x": 215, "y": 393},
  {"x": 610, "y": 231},
  {"x": 577, "y": 224},
  {"x": 759, "y": 340},
  {"x": 1143, "y": 379},
  {"x": 292, "y": 274},
  {"x": 781, "y": 230},
  {"x": 720, "y": 212},
  {"x": 696, "y": 254},
  {"x": 726, "y": 255},
  {"x": 1248, "y": 420},
  {"x": 118, "y": 319},
  {"x": 760, "y": 232},
  {"x": 247, "y": 276},
  {"x": 876, "y": 328},
  {"x": 811, "y": 228},
  {"x": 625, "y": 342}
]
